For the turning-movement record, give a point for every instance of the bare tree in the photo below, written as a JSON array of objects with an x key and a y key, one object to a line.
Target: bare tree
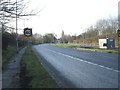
[
  {"x": 38, "y": 38},
  {"x": 107, "y": 26},
  {"x": 9, "y": 9},
  {"x": 49, "y": 38},
  {"x": 103, "y": 28}
]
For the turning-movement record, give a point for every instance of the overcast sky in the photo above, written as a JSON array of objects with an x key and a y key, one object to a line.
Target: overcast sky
[{"x": 72, "y": 16}]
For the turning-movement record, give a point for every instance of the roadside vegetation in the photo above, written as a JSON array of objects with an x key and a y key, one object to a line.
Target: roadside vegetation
[
  {"x": 33, "y": 75},
  {"x": 7, "y": 55},
  {"x": 61, "y": 45},
  {"x": 84, "y": 48},
  {"x": 7, "y": 31},
  {"x": 9, "y": 46}
]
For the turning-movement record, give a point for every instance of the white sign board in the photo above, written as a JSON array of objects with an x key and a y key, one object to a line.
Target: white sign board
[{"x": 103, "y": 43}]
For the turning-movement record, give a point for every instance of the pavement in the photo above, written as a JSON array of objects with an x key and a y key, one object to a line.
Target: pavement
[
  {"x": 72, "y": 68},
  {"x": 10, "y": 76}
]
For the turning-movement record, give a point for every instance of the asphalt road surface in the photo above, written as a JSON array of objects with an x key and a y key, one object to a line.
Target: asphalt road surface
[{"x": 73, "y": 68}]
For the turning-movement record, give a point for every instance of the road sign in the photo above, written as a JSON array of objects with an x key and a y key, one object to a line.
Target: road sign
[
  {"x": 28, "y": 32},
  {"x": 118, "y": 33}
]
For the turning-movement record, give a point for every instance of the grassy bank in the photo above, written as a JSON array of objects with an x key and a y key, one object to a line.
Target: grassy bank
[
  {"x": 82, "y": 48},
  {"x": 34, "y": 71},
  {"x": 61, "y": 45},
  {"x": 8, "y": 54}
]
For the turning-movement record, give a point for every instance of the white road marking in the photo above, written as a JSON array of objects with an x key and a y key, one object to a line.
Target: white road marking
[{"x": 85, "y": 61}]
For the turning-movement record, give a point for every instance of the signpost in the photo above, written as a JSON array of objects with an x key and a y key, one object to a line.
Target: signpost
[
  {"x": 28, "y": 33},
  {"x": 118, "y": 32}
]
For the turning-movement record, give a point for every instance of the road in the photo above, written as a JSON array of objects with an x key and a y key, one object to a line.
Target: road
[{"x": 79, "y": 68}]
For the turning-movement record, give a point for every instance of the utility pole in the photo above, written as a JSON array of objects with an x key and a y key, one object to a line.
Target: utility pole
[
  {"x": 118, "y": 32},
  {"x": 16, "y": 30}
]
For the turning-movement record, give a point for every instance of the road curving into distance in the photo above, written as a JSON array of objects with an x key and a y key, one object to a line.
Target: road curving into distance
[{"x": 73, "y": 68}]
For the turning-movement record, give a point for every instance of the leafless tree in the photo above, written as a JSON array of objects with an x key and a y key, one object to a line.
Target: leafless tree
[
  {"x": 103, "y": 28},
  {"x": 11, "y": 9},
  {"x": 37, "y": 38},
  {"x": 107, "y": 26}
]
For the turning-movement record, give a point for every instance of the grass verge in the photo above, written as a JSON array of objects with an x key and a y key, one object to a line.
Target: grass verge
[
  {"x": 33, "y": 74},
  {"x": 61, "y": 45},
  {"x": 100, "y": 50},
  {"x": 82, "y": 48}
]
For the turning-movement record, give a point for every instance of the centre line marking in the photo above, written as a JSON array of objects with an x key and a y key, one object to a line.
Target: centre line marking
[{"x": 85, "y": 61}]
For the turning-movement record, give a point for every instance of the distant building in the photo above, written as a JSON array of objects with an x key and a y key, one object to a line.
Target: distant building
[{"x": 62, "y": 36}]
